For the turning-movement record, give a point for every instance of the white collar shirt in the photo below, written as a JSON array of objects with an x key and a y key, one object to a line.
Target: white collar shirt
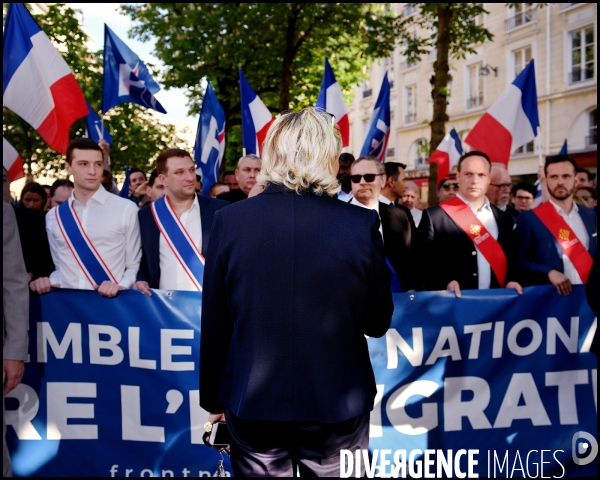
[
  {"x": 172, "y": 274},
  {"x": 111, "y": 224},
  {"x": 345, "y": 197},
  {"x": 486, "y": 216},
  {"x": 417, "y": 215},
  {"x": 574, "y": 221},
  {"x": 376, "y": 208},
  {"x": 383, "y": 199}
]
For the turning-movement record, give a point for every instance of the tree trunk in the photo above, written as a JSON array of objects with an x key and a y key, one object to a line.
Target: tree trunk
[
  {"x": 439, "y": 92},
  {"x": 288, "y": 59}
]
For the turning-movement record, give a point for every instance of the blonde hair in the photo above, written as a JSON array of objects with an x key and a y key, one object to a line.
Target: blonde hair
[{"x": 300, "y": 150}]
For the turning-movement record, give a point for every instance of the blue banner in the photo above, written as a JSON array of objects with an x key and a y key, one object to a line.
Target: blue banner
[{"x": 111, "y": 388}]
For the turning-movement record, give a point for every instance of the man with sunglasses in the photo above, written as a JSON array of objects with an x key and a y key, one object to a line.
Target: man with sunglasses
[
  {"x": 447, "y": 189},
  {"x": 368, "y": 178},
  {"x": 466, "y": 242},
  {"x": 499, "y": 191}
]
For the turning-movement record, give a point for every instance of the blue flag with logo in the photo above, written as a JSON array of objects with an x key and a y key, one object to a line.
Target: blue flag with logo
[
  {"x": 125, "y": 190},
  {"x": 126, "y": 78},
  {"x": 379, "y": 129},
  {"x": 563, "y": 150},
  {"x": 93, "y": 127},
  {"x": 210, "y": 139}
]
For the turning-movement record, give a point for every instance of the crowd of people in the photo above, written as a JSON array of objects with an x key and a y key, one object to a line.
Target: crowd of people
[{"x": 484, "y": 232}]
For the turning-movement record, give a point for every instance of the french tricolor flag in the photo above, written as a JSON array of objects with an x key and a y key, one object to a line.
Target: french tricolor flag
[
  {"x": 38, "y": 84},
  {"x": 12, "y": 161},
  {"x": 511, "y": 122},
  {"x": 256, "y": 118},
  {"x": 447, "y": 154},
  {"x": 331, "y": 99}
]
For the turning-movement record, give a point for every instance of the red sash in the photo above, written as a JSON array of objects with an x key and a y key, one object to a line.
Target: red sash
[
  {"x": 464, "y": 217},
  {"x": 566, "y": 238}
]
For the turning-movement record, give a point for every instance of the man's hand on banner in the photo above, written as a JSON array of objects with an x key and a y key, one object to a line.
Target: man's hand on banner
[
  {"x": 454, "y": 286},
  {"x": 12, "y": 372},
  {"x": 560, "y": 281},
  {"x": 108, "y": 289},
  {"x": 42, "y": 285},
  {"x": 143, "y": 287},
  {"x": 517, "y": 286}
]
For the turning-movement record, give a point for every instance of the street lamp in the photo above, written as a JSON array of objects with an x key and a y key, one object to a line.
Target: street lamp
[{"x": 485, "y": 70}]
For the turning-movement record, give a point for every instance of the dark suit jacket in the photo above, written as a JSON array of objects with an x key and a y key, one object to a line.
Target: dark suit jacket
[
  {"x": 397, "y": 237},
  {"x": 233, "y": 196},
  {"x": 513, "y": 213},
  {"x": 446, "y": 252},
  {"x": 537, "y": 248},
  {"x": 34, "y": 242},
  {"x": 150, "y": 265},
  {"x": 292, "y": 285}
]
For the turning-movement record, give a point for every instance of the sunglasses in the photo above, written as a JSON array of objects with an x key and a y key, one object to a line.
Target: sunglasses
[
  {"x": 369, "y": 177},
  {"x": 448, "y": 186},
  {"x": 501, "y": 186}
]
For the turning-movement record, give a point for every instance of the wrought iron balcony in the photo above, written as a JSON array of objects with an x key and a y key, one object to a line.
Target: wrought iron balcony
[{"x": 521, "y": 18}]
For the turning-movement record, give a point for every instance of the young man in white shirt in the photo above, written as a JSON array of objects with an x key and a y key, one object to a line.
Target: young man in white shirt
[{"x": 94, "y": 237}]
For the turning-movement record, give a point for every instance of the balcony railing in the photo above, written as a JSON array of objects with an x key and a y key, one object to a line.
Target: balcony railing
[
  {"x": 410, "y": 118},
  {"x": 390, "y": 152},
  {"x": 475, "y": 101},
  {"x": 407, "y": 65},
  {"x": 581, "y": 75},
  {"x": 564, "y": 6},
  {"x": 521, "y": 18},
  {"x": 591, "y": 140},
  {"x": 367, "y": 93},
  {"x": 409, "y": 10}
]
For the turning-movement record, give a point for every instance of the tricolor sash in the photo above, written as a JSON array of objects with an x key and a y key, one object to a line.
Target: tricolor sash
[
  {"x": 489, "y": 247},
  {"x": 566, "y": 238},
  {"x": 179, "y": 240},
  {"x": 86, "y": 255}
]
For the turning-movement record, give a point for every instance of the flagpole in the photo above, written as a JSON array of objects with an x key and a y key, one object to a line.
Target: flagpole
[{"x": 243, "y": 152}]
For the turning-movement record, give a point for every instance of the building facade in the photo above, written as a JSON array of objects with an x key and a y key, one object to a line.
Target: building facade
[{"x": 561, "y": 37}]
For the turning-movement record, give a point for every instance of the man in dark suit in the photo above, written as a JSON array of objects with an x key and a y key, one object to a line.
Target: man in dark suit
[
  {"x": 160, "y": 267},
  {"x": 283, "y": 350},
  {"x": 467, "y": 243},
  {"x": 245, "y": 175},
  {"x": 557, "y": 240},
  {"x": 368, "y": 178}
]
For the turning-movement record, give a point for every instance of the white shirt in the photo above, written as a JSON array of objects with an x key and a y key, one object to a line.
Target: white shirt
[
  {"x": 574, "y": 221},
  {"x": 385, "y": 200},
  {"x": 111, "y": 224},
  {"x": 345, "y": 197},
  {"x": 417, "y": 215},
  {"x": 486, "y": 216},
  {"x": 376, "y": 208},
  {"x": 172, "y": 274}
]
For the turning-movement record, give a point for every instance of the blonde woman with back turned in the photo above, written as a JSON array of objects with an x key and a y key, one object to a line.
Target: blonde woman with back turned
[{"x": 294, "y": 280}]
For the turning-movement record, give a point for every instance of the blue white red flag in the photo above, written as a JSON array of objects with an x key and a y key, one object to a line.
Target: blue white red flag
[
  {"x": 12, "y": 161},
  {"x": 331, "y": 99},
  {"x": 125, "y": 190},
  {"x": 126, "y": 78},
  {"x": 564, "y": 150},
  {"x": 210, "y": 139},
  {"x": 256, "y": 118},
  {"x": 86, "y": 255},
  {"x": 511, "y": 122},
  {"x": 379, "y": 128},
  {"x": 38, "y": 84},
  {"x": 447, "y": 154},
  {"x": 180, "y": 241},
  {"x": 93, "y": 127}
]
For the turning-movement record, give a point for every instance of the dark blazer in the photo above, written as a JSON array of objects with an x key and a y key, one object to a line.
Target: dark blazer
[
  {"x": 233, "y": 196},
  {"x": 292, "y": 285},
  {"x": 537, "y": 249},
  {"x": 397, "y": 237},
  {"x": 513, "y": 213},
  {"x": 150, "y": 265},
  {"x": 34, "y": 242},
  {"x": 446, "y": 252}
]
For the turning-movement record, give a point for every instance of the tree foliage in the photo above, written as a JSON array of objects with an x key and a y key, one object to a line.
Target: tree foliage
[
  {"x": 280, "y": 46},
  {"x": 138, "y": 136},
  {"x": 453, "y": 30}
]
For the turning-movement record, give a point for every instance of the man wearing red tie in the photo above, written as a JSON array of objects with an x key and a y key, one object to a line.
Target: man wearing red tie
[
  {"x": 557, "y": 240},
  {"x": 467, "y": 243}
]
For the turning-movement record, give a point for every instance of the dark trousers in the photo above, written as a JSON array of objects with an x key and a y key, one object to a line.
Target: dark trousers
[{"x": 280, "y": 449}]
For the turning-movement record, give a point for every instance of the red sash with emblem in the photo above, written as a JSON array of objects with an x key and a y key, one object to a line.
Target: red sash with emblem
[
  {"x": 566, "y": 238},
  {"x": 489, "y": 247}
]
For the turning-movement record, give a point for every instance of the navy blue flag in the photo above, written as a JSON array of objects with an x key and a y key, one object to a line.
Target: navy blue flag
[
  {"x": 563, "y": 150},
  {"x": 379, "y": 128},
  {"x": 210, "y": 139},
  {"x": 126, "y": 78},
  {"x": 125, "y": 190},
  {"x": 93, "y": 127}
]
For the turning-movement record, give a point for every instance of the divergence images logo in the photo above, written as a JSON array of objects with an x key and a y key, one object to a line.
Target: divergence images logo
[{"x": 584, "y": 452}]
